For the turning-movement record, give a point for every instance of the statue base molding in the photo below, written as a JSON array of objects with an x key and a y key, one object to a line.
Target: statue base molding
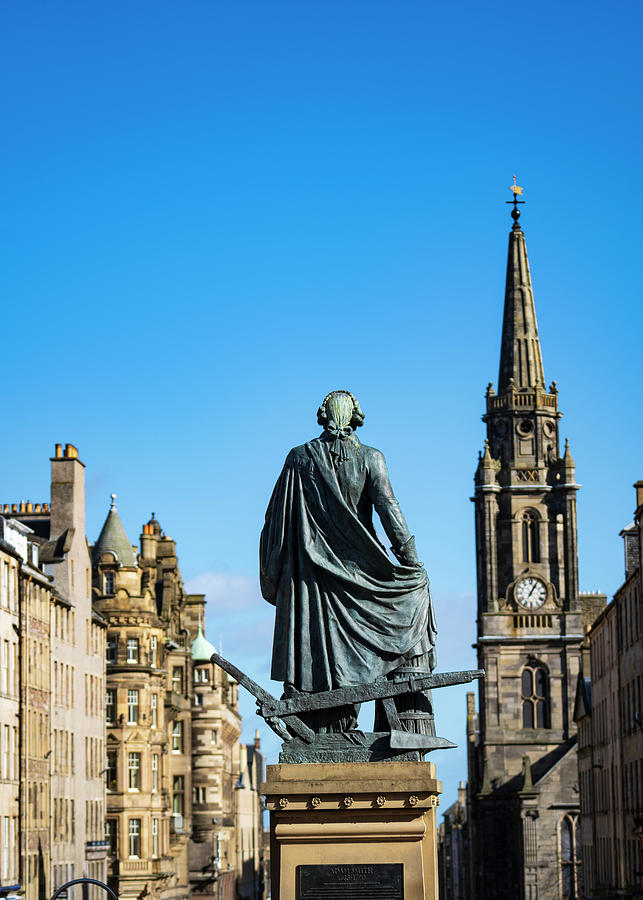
[{"x": 353, "y": 830}]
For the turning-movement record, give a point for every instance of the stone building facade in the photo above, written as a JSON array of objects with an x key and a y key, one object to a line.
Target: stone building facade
[
  {"x": 11, "y": 685},
  {"x": 106, "y": 711},
  {"x": 26, "y": 600},
  {"x": 523, "y": 800},
  {"x": 453, "y": 850},
  {"x": 609, "y": 711},
  {"x": 226, "y": 844},
  {"x": 61, "y": 669},
  {"x": 173, "y": 727},
  {"x": 62, "y": 719}
]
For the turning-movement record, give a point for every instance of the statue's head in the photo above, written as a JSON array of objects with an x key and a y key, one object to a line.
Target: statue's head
[{"x": 342, "y": 408}]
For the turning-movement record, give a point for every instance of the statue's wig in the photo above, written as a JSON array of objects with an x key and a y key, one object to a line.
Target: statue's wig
[{"x": 325, "y": 412}]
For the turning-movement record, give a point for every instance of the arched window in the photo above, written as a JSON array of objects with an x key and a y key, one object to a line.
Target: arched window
[
  {"x": 569, "y": 856},
  {"x": 530, "y": 537},
  {"x": 535, "y": 696}
]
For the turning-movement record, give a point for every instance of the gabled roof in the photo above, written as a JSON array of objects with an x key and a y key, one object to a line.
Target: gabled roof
[
  {"x": 540, "y": 768},
  {"x": 113, "y": 539},
  {"x": 543, "y": 767},
  {"x": 583, "y": 699}
]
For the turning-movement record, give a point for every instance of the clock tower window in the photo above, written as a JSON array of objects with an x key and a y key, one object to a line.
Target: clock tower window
[
  {"x": 530, "y": 537},
  {"x": 535, "y": 696}
]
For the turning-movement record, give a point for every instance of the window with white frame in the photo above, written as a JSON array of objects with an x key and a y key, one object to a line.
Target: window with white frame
[
  {"x": 154, "y": 651},
  {"x": 132, "y": 706},
  {"x": 4, "y": 584},
  {"x": 154, "y": 702},
  {"x": 132, "y": 650},
  {"x": 4, "y": 667},
  {"x": 135, "y": 837},
  {"x": 12, "y": 589},
  {"x": 177, "y": 737},
  {"x": 111, "y": 834},
  {"x": 108, "y": 583},
  {"x": 155, "y": 837},
  {"x": 5, "y": 848},
  {"x": 112, "y": 769},
  {"x": 134, "y": 770},
  {"x": 155, "y": 772},
  {"x": 110, "y": 706},
  {"x": 4, "y": 766}
]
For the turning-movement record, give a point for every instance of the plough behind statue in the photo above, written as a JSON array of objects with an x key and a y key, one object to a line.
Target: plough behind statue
[{"x": 283, "y": 716}]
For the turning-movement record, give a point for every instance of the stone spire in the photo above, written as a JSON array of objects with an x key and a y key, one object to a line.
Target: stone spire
[{"x": 520, "y": 356}]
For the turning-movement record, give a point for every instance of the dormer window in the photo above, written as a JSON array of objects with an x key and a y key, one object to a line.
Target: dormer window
[
  {"x": 132, "y": 650},
  {"x": 108, "y": 583}
]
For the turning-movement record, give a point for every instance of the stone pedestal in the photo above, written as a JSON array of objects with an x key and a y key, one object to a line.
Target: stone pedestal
[{"x": 351, "y": 830}]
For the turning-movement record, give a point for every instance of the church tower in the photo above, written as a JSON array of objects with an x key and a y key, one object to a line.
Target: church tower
[{"x": 522, "y": 756}]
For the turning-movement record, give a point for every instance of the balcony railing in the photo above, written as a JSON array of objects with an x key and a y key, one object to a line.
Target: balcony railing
[{"x": 523, "y": 400}]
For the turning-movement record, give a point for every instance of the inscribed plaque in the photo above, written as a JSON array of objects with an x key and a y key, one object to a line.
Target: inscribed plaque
[{"x": 374, "y": 881}]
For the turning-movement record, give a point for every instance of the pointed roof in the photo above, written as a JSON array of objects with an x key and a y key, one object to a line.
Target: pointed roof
[
  {"x": 520, "y": 355},
  {"x": 113, "y": 539},
  {"x": 202, "y": 649}
]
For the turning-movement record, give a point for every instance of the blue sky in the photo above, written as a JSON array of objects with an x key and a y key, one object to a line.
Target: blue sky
[{"x": 214, "y": 213}]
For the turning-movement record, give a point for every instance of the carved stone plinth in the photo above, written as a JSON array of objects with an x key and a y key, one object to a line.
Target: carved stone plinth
[{"x": 353, "y": 830}]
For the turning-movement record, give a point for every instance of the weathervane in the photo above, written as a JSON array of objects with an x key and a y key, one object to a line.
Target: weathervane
[{"x": 515, "y": 212}]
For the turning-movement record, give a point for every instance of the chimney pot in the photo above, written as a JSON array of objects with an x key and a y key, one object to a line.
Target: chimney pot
[
  {"x": 70, "y": 451},
  {"x": 29, "y": 506},
  {"x": 38, "y": 508},
  {"x": 22, "y": 506},
  {"x": 14, "y": 507},
  {"x": 58, "y": 451}
]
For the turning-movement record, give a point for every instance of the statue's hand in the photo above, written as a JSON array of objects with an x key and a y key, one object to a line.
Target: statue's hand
[{"x": 407, "y": 554}]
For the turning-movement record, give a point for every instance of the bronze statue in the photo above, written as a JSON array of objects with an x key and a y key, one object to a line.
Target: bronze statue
[
  {"x": 346, "y": 613},
  {"x": 351, "y": 623}
]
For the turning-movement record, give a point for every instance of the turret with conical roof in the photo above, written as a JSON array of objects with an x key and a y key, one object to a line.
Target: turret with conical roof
[{"x": 113, "y": 539}]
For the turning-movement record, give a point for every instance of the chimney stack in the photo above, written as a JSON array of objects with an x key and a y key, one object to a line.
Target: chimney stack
[
  {"x": 638, "y": 487},
  {"x": 67, "y": 491}
]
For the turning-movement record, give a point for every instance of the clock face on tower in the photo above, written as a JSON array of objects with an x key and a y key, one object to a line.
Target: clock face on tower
[{"x": 531, "y": 593}]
